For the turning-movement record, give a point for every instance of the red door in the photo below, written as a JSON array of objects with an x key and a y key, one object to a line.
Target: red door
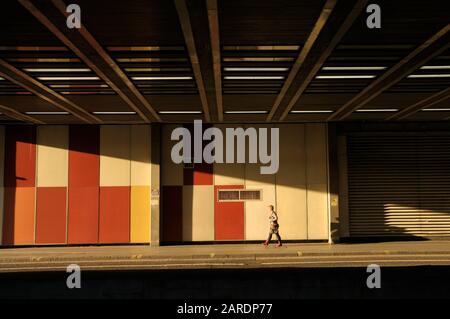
[{"x": 228, "y": 216}]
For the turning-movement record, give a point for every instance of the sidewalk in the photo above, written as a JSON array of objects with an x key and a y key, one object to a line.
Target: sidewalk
[{"x": 144, "y": 257}]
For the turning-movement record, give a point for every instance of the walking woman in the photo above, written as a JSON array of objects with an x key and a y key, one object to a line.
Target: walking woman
[{"x": 273, "y": 218}]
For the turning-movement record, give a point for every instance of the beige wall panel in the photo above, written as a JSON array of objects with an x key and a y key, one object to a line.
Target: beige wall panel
[
  {"x": 140, "y": 155},
  {"x": 52, "y": 155},
  {"x": 316, "y": 153},
  {"x": 198, "y": 213},
  {"x": 291, "y": 183},
  {"x": 256, "y": 213},
  {"x": 228, "y": 174},
  {"x": 2, "y": 165},
  {"x": 317, "y": 211},
  {"x": 172, "y": 174},
  {"x": 291, "y": 209},
  {"x": 115, "y": 155}
]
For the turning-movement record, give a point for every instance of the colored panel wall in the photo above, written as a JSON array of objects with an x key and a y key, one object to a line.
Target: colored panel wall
[
  {"x": 171, "y": 173},
  {"x": 228, "y": 217},
  {"x": 291, "y": 183},
  {"x": 140, "y": 181},
  {"x": 317, "y": 181},
  {"x": 51, "y": 215},
  {"x": 2, "y": 165},
  {"x": 83, "y": 193},
  {"x": 172, "y": 213},
  {"x": 115, "y": 155},
  {"x": 18, "y": 224},
  {"x": 52, "y": 155},
  {"x": 198, "y": 213},
  {"x": 114, "y": 214},
  {"x": 140, "y": 214}
]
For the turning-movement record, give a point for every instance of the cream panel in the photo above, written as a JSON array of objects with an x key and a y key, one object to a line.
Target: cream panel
[
  {"x": 257, "y": 213},
  {"x": 228, "y": 174},
  {"x": 317, "y": 211},
  {"x": 291, "y": 182},
  {"x": 316, "y": 177},
  {"x": 115, "y": 155},
  {"x": 2, "y": 165},
  {"x": 198, "y": 213},
  {"x": 52, "y": 155},
  {"x": 291, "y": 210},
  {"x": 316, "y": 152},
  {"x": 172, "y": 174},
  {"x": 140, "y": 155}
]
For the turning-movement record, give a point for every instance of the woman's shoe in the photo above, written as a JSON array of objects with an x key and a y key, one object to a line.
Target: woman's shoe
[
  {"x": 279, "y": 244},
  {"x": 266, "y": 243}
]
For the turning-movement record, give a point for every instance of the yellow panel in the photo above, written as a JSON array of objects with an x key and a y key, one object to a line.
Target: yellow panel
[
  {"x": 140, "y": 155},
  {"x": 2, "y": 165},
  {"x": 140, "y": 214},
  {"x": 172, "y": 174},
  {"x": 317, "y": 211},
  {"x": 198, "y": 213},
  {"x": 257, "y": 213},
  {"x": 115, "y": 155},
  {"x": 52, "y": 155},
  {"x": 291, "y": 182}
]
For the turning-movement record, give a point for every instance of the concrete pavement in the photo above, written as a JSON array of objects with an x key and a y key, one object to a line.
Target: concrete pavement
[{"x": 223, "y": 256}]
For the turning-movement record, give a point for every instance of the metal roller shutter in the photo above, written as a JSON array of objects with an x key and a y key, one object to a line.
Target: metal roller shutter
[{"x": 399, "y": 185}]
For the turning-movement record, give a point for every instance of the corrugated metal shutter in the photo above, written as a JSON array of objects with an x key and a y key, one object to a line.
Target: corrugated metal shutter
[{"x": 399, "y": 185}]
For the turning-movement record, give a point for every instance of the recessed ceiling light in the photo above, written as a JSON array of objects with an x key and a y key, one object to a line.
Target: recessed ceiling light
[
  {"x": 352, "y": 68},
  {"x": 435, "y": 67},
  {"x": 156, "y": 69},
  {"x": 1, "y": 79},
  {"x": 57, "y": 70},
  {"x": 47, "y": 113},
  {"x": 254, "y": 77},
  {"x": 146, "y": 48},
  {"x": 151, "y": 78},
  {"x": 68, "y": 78},
  {"x": 180, "y": 112},
  {"x": 261, "y": 47},
  {"x": 377, "y": 110},
  {"x": 255, "y": 69},
  {"x": 345, "y": 76},
  {"x": 78, "y": 85},
  {"x": 257, "y": 59},
  {"x": 310, "y": 111},
  {"x": 437, "y": 110},
  {"x": 113, "y": 113},
  {"x": 429, "y": 76},
  {"x": 144, "y": 60},
  {"x": 246, "y": 112}
]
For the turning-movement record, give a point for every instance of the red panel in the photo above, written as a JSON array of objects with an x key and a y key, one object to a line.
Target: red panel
[
  {"x": 172, "y": 218},
  {"x": 20, "y": 156},
  {"x": 51, "y": 215},
  {"x": 114, "y": 214},
  {"x": 201, "y": 174},
  {"x": 228, "y": 217},
  {"x": 84, "y": 179},
  {"x": 83, "y": 215},
  {"x": 84, "y": 161},
  {"x": 18, "y": 226}
]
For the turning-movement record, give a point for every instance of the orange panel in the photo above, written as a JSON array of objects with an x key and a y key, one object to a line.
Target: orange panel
[
  {"x": 84, "y": 179},
  {"x": 228, "y": 217},
  {"x": 51, "y": 215},
  {"x": 83, "y": 215},
  {"x": 114, "y": 214},
  {"x": 20, "y": 156},
  {"x": 18, "y": 225}
]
